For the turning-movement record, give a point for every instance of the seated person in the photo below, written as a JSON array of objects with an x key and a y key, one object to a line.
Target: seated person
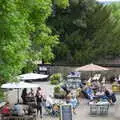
[
  {"x": 6, "y": 110},
  {"x": 81, "y": 85},
  {"x": 95, "y": 85},
  {"x": 18, "y": 110},
  {"x": 100, "y": 92},
  {"x": 89, "y": 93},
  {"x": 55, "y": 109},
  {"x": 101, "y": 95},
  {"x": 68, "y": 97},
  {"x": 110, "y": 95},
  {"x": 65, "y": 88},
  {"x": 49, "y": 102},
  {"x": 31, "y": 110}
]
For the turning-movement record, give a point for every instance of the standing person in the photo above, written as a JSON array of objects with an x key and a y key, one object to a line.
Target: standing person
[
  {"x": 73, "y": 103},
  {"x": 24, "y": 94},
  {"x": 39, "y": 99},
  {"x": 31, "y": 93}
]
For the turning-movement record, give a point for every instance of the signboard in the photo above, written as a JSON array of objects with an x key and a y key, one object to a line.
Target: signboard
[{"x": 66, "y": 112}]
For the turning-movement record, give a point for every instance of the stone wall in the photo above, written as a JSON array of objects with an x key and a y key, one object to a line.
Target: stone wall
[
  {"x": 62, "y": 69},
  {"x": 114, "y": 71}
]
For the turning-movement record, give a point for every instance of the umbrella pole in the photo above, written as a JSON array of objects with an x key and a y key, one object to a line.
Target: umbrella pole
[
  {"x": 91, "y": 74},
  {"x": 18, "y": 95}
]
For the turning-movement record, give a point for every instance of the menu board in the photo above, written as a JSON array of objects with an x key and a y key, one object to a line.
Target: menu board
[{"x": 66, "y": 112}]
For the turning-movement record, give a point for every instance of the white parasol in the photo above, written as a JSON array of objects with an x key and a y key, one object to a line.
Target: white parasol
[
  {"x": 32, "y": 76},
  {"x": 18, "y": 85}
]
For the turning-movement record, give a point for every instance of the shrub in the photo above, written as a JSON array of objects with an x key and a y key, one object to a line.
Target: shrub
[
  {"x": 55, "y": 78},
  {"x": 57, "y": 89},
  {"x": 58, "y": 93},
  {"x": 54, "y": 82}
]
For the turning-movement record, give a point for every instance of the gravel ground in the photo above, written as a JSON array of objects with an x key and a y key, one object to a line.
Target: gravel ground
[{"x": 82, "y": 112}]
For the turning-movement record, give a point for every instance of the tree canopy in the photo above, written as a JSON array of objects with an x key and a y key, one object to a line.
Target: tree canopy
[
  {"x": 88, "y": 32},
  {"x": 24, "y": 35}
]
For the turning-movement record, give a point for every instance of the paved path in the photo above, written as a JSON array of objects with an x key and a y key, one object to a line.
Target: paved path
[{"x": 82, "y": 112}]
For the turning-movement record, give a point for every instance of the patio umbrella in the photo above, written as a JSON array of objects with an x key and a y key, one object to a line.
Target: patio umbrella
[
  {"x": 32, "y": 76},
  {"x": 18, "y": 86},
  {"x": 92, "y": 67}
]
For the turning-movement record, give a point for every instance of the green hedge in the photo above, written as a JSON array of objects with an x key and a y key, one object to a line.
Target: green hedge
[
  {"x": 54, "y": 82},
  {"x": 55, "y": 78}
]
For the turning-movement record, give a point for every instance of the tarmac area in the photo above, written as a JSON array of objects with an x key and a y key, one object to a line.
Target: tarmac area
[{"x": 82, "y": 111}]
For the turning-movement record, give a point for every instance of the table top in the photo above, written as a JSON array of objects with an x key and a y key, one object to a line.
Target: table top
[{"x": 99, "y": 103}]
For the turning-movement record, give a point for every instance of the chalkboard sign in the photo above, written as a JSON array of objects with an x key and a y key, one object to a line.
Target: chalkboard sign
[{"x": 66, "y": 112}]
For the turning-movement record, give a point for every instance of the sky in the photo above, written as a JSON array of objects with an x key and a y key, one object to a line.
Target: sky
[{"x": 108, "y": 0}]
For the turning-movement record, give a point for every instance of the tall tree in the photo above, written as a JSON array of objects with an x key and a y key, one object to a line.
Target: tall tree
[
  {"x": 24, "y": 35},
  {"x": 88, "y": 32},
  {"x": 14, "y": 40},
  {"x": 70, "y": 25},
  {"x": 103, "y": 33},
  {"x": 115, "y": 9}
]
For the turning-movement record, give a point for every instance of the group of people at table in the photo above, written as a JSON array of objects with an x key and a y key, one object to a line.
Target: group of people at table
[
  {"x": 38, "y": 100},
  {"x": 92, "y": 91},
  {"x": 95, "y": 91}
]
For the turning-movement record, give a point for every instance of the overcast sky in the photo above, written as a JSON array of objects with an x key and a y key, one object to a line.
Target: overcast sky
[{"x": 107, "y": 0}]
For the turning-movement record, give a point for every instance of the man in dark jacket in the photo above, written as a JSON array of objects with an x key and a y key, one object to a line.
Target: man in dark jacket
[{"x": 39, "y": 99}]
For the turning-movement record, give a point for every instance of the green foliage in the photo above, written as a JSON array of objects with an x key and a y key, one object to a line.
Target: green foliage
[
  {"x": 24, "y": 36},
  {"x": 55, "y": 78},
  {"x": 54, "y": 82},
  {"x": 14, "y": 40},
  {"x": 115, "y": 7},
  {"x": 70, "y": 25},
  {"x": 57, "y": 89},
  {"x": 61, "y": 3},
  {"x": 41, "y": 36},
  {"x": 105, "y": 36},
  {"x": 88, "y": 32},
  {"x": 58, "y": 93},
  {"x": 2, "y": 96}
]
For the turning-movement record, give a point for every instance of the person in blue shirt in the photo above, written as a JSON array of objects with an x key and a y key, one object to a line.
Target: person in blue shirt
[
  {"x": 18, "y": 110},
  {"x": 73, "y": 103},
  {"x": 90, "y": 93}
]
